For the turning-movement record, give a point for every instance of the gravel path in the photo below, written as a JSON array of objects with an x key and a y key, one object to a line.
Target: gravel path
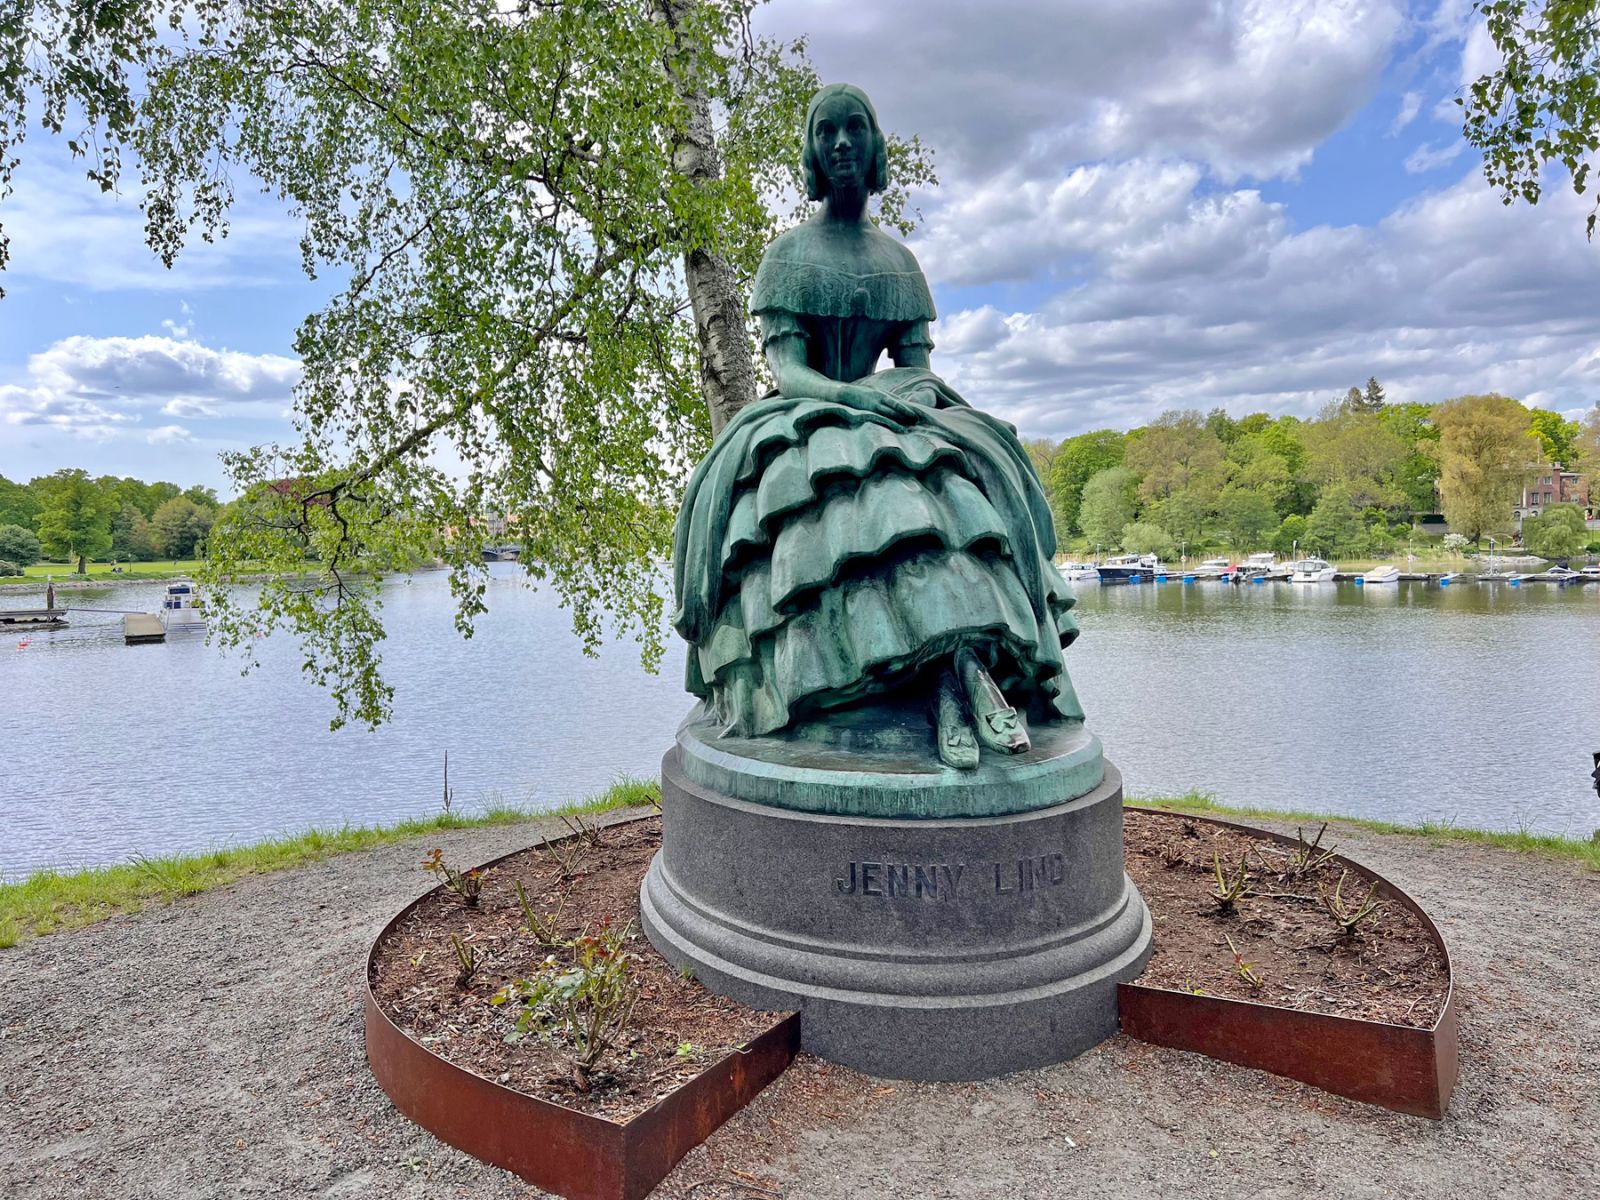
[{"x": 214, "y": 1048}]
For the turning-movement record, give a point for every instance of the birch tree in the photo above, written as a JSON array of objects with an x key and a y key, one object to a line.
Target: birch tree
[{"x": 543, "y": 215}]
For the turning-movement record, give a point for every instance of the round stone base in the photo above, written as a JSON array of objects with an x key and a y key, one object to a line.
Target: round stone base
[{"x": 955, "y": 948}]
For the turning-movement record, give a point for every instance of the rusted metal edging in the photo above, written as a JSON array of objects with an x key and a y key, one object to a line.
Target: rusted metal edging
[
  {"x": 561, "y": 1150},
  {"x": 1399, "y": 1067}
]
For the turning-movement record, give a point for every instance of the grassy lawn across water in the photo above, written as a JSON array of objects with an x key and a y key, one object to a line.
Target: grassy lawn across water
[{"x": 180, "y": 568}]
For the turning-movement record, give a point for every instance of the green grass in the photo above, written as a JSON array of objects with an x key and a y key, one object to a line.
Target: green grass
[
  {"x": 1579, "y": 850},
  {"x": 181, "y": 568},
  {"x": 53, "y": 901}
]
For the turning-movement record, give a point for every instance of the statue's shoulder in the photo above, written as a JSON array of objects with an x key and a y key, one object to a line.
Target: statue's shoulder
[{"x": 811, "y": 270}]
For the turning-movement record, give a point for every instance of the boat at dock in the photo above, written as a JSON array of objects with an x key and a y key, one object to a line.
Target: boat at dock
[
  {"x": 1264, "y": 565},
  {"x": 178, "y": 610},
  {"x": 1380, "y": 575},
  {"x": 1128, "y": 568},
  {"x": 1212, "y": 568},
  {"x": 1312, "y": 570},
  {"x": 1079, "y": 571}
]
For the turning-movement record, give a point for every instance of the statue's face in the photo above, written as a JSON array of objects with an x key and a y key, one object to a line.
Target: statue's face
[{"x": 841, "y": 140}]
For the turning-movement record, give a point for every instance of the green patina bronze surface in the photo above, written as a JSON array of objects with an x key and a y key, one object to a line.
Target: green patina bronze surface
[
  {"x": 848, "y": 535},
  {"x": 880, "y": 762}
]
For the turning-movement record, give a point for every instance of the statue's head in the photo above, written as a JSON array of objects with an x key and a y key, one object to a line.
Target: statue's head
[{"x": 842, "y": 134}]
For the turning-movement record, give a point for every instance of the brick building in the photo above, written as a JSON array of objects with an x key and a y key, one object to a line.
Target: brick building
[{"x": 1554, "y": 484}]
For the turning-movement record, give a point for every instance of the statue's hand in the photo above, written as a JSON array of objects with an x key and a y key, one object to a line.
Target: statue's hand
[{"x": 873, "y": 401}]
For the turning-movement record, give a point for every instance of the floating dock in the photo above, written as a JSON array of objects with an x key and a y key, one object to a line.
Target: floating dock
[
  {"x": 33, "y": 618},
  {"x": 138, "y": 628}
]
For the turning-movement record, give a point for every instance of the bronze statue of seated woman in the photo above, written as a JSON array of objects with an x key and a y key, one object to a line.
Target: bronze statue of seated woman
[{"x": 863, "y": 535}]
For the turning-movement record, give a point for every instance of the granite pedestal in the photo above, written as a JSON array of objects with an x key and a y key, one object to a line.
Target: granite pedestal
[{"x": 915, "y": 947}]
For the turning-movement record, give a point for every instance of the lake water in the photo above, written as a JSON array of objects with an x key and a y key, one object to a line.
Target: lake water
[{"x": 1478, "y": 704}]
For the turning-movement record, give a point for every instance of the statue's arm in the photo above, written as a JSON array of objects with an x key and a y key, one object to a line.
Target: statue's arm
[
  {"x": 786, "y": 356},
  {"x": 911, "y": 356}
]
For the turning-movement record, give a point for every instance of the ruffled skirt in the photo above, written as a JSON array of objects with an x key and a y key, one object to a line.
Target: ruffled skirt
[{"x": 825, "y": 556}]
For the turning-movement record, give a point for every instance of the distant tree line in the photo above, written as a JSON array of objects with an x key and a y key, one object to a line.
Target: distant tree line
[
  {"x": 73, "y": 517},
  {"x": 1350, "y": 483}
]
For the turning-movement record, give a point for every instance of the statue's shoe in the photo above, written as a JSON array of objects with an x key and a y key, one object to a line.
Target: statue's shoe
[
  {"x": 957, "y": 747},
  {"x": 999, "y": 725},
  {"x": 1001, "y": 729}
]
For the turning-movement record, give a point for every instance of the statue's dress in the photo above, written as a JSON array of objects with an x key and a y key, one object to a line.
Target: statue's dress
[{"x": 825, "y": 555}]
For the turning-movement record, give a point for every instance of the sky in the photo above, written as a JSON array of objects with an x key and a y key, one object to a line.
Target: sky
[{"x": 1143, "y": 205}]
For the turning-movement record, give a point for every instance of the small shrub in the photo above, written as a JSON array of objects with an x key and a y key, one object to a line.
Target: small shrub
[
  {"x": 1308, "y": 856},
  {"x": 466, "y": 884},
  {"x": 542, "y": 926},
  {"x": 568, "y": 854},
  {"x": 584, "y": 1004},
  {"x": 1230, "y": 884},
  {"x": 582, "y": 831},
  {"x": 467, "y": 956},
  {"x": 1349, "y": 916},
  {"x": 1247, "y": 971}
]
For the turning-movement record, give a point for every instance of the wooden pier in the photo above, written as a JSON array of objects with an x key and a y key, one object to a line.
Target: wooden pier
[{"x": 33, "y": 618}]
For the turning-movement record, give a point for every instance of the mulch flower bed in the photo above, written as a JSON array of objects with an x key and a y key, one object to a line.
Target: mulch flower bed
[
  {"x": 677, "y": 1029},
  {"x": 1287, "y": 949}
]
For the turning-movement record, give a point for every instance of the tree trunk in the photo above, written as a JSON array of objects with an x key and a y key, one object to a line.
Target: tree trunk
[
  {"x": 83, "y": 567},
  {"x": 727, "y": 368}
]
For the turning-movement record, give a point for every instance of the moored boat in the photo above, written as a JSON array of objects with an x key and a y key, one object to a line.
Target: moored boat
[
  {"x": 1384, "y": 574},
  {"x": 178, "y": 610},
  {"x": 1128, "y": 568},
  {"x": 1264, "y": 565},
  {"x": 1311, "y": 570}
]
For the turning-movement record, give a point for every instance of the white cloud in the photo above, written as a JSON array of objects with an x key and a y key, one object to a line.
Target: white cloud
[
  {"x": 1410, "y": 105},
  {"x": 1248, "y": 87},
  {"x": 1226, "y": 303},
  {"x": 1428, "y": 157},
  {"x": 166, "y": 435},
  {"x": 95, "y": 385},
  {"x": 65, "y": 230}
]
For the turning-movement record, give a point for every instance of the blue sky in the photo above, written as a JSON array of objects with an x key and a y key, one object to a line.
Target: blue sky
[{"x": 1145, "y": 204}]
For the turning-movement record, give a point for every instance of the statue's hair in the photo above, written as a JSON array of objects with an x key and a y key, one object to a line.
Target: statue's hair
[{"x": 816, "y": 176}]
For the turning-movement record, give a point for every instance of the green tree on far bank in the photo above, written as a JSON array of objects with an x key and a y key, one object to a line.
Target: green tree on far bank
[
  {"x": 133, "y": 539},
  {"x": 180, "y": 526},
  {"x": 19, "y": 504},
  {"x": 19, "y": 545},
  {"x": 1247, "y": 516},
  {"x": 1486, "y": 455},
  {"x": 1334, "y": 526},
  {"x": 1559, "y": 532},
  {"x": 1108, "y": 505},
  {"x": 1557, "y": 435},
  {"x": 1143, "y": 537},
  {"x": 1076, "y": 461},
  {"x": 75, "y": 522},
  {"x": 1291, "y": 536}
]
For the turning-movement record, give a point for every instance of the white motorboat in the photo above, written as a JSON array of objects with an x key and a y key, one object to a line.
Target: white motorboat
[
  {"x": 1264, "y": 565},
  {"x": 1554, "y": 575},
  {"x": 1311, "y": 570},
  {"x": 1212, "y": 568},
  {"x": 1387, "y": 574},
  {"x": 1590, "y": 574},
  {"x": 1079, "y": 570},
  {"x": 178, "y": 611}
]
